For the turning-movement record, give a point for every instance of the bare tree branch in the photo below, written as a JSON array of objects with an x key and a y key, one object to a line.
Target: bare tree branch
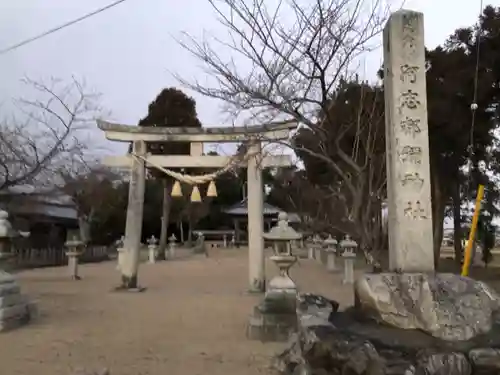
[
  {"x": 33, "y": 149},
  {"x": 293, "y": 60}
]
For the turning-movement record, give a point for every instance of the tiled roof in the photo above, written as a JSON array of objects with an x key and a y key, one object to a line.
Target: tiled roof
[{"x": 241, "y": 209}]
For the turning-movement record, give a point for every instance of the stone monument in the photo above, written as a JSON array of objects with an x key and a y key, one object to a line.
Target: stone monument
[
  {"x": 451, "y": 307},
  {"x": 276, "y": 316},
  {"x": 409, "y": 320},
  {"x": 15, "y": 309}
]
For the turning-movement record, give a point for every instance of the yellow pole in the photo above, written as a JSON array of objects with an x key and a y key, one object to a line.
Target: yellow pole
[{"x": 472, "y": 233}]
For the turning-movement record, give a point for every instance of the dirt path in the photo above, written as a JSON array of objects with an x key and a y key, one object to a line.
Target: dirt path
[{"x": 190, "y": 321}]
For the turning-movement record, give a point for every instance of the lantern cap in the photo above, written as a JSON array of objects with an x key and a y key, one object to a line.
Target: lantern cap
[
  {"x": 348, "y": 242},
  {"x": 330, "y": 240},
  {"x": 282, "y": 231}
]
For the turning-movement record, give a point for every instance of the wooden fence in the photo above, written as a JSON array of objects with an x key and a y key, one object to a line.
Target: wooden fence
[{"x": 50, "y": 257}]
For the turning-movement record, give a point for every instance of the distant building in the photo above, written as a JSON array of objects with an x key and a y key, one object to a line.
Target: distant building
[
  {"x": 239, "y": 214},
  {"x": 47, "y": 215}
]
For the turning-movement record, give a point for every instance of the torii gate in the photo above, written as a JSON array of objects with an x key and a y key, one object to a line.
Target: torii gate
[{"x": 140, "y": 135}]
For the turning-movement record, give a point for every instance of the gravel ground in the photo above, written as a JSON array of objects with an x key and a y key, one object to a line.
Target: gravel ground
[{"x": 190, "y": 321}]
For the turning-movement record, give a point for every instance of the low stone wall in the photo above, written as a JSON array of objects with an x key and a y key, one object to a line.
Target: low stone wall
[{"x": 331, "y": 342}]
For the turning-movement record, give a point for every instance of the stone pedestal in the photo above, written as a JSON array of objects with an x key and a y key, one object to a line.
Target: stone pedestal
[
  {"x": 348, "y": 248},
  {"x": 15, "y": 309},
  {"x": 73, "y": 254},
  {"x": 152, "y": 254},
  {"x": 275, "y": 318},
  {"x": 170, "y": 251},
  {"x": 6, "y": 261},
  {"x": 331, "y": 253},
  {"x": 349, "y": 259},
  {"x": 317, "y": 253},
  {"x": 152, "y": 249},
  {"x": 331, "y": 264},
  {"x": 121, "y": 258},
  {"x": 73, "y": 264},
  {"x": 310, "y": 251}
]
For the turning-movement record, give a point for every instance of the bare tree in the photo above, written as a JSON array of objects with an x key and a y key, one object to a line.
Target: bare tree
[
  {"x": 288, "y": 60},
  {"x": 49, "y": 133},
  {"x": 90, "y": 186}
]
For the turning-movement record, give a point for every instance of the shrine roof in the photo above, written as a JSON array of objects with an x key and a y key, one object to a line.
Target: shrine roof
[{"x": 241, "y": 209}]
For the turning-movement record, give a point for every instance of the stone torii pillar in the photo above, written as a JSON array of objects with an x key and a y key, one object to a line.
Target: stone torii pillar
[
  {"x": 133, "y": 225},
  {"x": 255, "y": 203}
]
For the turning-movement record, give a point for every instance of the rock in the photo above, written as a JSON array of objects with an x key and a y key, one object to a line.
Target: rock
[
  {"x": 443, "y": 364},
  {"x": 446, "y": 306},
  {"x": 485, "y": 361},
  {"x": 364, "y": 360},
  {"x": 312, "y": 304},
  {"x": 341, "y": 343}
]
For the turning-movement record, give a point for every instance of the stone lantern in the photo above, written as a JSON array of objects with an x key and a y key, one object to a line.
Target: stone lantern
[
  {"x": 276, "y": 316},
  {"x": 6, "y": 236},
  {"x": 74, "y": 251},
  {"x": 152, "y": 246},
  {"x": 331, "y": 251},
  {"x": 15, "y": 309},
  {"x": 282, "y": 236},
  {"x": 348, "y": 248}
]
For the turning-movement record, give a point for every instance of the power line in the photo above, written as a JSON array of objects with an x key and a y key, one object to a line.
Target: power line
[{"x": 51, "y": 31}]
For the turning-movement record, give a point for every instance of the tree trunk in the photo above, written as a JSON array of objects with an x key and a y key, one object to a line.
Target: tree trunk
[
  {"x": 181, "y": 229},
  {"x": 438, "y": 221},
  {"x": 190, "y": 232},
  {"x": 165, "y": 215},
  {"x": 457, "y": 224},
  {"x": 438, "y": 208},
  {"x": 84, "y": 229}
]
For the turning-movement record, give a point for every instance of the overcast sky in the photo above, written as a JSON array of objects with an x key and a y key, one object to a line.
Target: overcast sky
[{"x": 128, "y": 52}]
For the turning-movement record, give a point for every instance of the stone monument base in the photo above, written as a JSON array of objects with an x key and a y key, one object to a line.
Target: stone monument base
[
  {"x": 411, "y": 324},
  {"x": 15, "y": 309},
  {"x": 446, "y": 306},
  {"x": 275, "y": 318}
]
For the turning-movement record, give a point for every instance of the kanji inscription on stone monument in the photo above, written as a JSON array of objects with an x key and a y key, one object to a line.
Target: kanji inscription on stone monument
[{"x": 407, "y": 142}]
